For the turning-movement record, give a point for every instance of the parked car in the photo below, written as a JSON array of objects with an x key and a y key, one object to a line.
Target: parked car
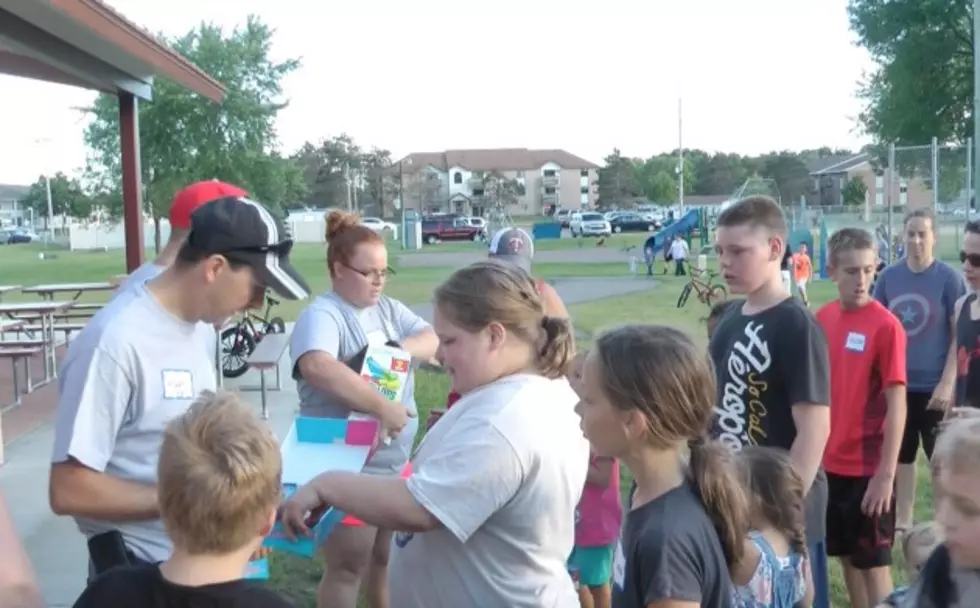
[
  {"x": 477, "y": 222},
  {"x": 377, "y": 224},
  {"x": 633, "y": 222},
  {"x": 563, "y": 217},
  {"x": 589, "y": 224},
  {"x": 450, "y": 229},
  {"x": 20, "y": 235}
]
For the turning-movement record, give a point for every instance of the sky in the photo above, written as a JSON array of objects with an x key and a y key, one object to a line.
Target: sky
[{"x": 587, "y": 77}]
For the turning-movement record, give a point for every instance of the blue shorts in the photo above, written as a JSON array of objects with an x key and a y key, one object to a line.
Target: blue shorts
[{"x": 593, "y": 564}]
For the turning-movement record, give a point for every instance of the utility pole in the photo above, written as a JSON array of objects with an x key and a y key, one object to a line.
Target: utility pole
[
  {"x": 680, "y": 156},
  {"x": 976, "y": 100}
]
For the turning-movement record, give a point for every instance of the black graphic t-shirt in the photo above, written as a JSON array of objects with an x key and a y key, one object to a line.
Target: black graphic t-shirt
[
  {"x": 968, "y": 355},
  {"x": 765, "y": 363},
  {"x": 145, "y": 586}
]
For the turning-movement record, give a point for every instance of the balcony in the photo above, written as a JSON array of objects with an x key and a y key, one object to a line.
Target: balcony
[
  {"x": 549, "y": 199},
  {"x": 549, "y": 180},
  {"x": 475, "y": 183}
]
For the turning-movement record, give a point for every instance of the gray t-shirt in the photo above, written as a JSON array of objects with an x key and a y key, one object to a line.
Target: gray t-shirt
[
  {"x": 669, "y": 550},
  {"x": 133, "y": 369},
  {"x": 924, "y": 302},
  {"x": 502, "y": 471},
  {"x": 332, "y": 326},
  {"x": 205, "y": 332}
]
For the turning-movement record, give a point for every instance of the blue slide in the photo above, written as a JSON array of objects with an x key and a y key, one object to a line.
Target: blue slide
[{"x": 682, "y": 226}]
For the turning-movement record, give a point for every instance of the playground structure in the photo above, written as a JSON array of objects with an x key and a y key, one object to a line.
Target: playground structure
[{"x": 695, "y": 219}]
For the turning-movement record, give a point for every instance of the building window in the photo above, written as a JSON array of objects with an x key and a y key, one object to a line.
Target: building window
[
  {"x": 520, "y": 174},
  {"x": 549, "y": 172},
  {"x": 457, "y": 178},
  {"x": 585, "y": 189},
  {"x": 584, "y": 172},
  {"x": 549, "y": 190},
  {"x": 478, "y": 192}
]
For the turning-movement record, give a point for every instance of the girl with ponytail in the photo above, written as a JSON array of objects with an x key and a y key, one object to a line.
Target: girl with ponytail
[{"x": 647, "y": 393}]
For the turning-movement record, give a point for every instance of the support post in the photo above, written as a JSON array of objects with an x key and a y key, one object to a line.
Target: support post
[
  {"x": 129, "y": 135},
  {"x": 934, "y": 170},
  {"x": 969, "y": 178},
  {"x": 890, "y": 199}
]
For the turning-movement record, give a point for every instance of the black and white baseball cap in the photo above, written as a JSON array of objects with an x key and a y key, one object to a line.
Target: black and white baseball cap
[
  {"x": 515, "y": 246},
  {"x": 244, "y": 231}
]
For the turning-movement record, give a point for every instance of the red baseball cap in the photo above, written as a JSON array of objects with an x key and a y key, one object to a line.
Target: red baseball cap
[{"x": 195, "y": 195}]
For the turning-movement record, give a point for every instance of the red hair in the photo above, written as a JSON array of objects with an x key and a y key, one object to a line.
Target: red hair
[{"x": 344, "y": 233}]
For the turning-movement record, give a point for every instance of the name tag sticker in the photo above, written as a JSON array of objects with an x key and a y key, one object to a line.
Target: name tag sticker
[
  {"x": 178, "y": 384},
  {"x": 855, "y": 342}
]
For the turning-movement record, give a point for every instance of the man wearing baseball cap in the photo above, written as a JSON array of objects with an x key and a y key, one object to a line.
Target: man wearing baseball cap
[
  {"x": 136, "y": 366},
  {"x": 514, "y": 246}
]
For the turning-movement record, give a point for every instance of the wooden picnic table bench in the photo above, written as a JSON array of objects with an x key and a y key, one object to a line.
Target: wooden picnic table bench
[
  {"x": 265, "y": 357},
  {"x": 5, "y": 289},
  {"x": 48, "y": 291},
  {"x": 47, "y": 311},
  {"x": 15, "y": 354}
]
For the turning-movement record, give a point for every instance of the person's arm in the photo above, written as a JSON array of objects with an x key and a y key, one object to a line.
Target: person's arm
[
  {"x": 419, "y": 339},
  {"x": 953, "y": 290},
  {"x": 879, "y": 292},
  {"x": 553, "y": 305},
  {"x": 18, "y": 585},
  {"x": 807, "y": 377},
  {"x": 600, "y": 472},
  {"x": 314, "y": 346},
  {"x": 95, "y": 399},
  {"x": 891, "y": 363},
  {"x": 473, "y": 475}
]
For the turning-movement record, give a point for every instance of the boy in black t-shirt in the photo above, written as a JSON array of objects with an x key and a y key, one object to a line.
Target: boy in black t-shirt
[
  {"x": 772, "y": 362},
  {"x": 219, "y": 489}
]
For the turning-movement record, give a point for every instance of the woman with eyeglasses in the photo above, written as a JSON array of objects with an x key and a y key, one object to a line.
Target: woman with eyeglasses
[
  {"x": 334, "y": 328},
  {"x": 968, "y": 322}
]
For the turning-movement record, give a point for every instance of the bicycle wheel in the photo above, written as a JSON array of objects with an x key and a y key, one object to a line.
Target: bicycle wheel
[
  {"x": 237, "y": 346},
  {"x": 716, "y": 294},
  {"x": 275, "y": 325},
  {"x": 685, "y": 294}
]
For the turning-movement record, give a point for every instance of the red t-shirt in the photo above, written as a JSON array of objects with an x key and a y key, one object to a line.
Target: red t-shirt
[
  {"x": 453, "y": 395},
  {"x": 867, "y": 355}
]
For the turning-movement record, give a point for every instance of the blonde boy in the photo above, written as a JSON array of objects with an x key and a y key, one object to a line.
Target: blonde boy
[{"x": 219, "y": 488}]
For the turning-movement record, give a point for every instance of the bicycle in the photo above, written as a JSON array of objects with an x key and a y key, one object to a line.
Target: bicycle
[
  {"x": 707, "y": 290},
  {"x": 238, "y": 341}
]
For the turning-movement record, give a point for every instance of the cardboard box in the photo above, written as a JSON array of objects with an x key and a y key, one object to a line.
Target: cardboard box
[
  {"x": 314, "y": 446},
  {"x": 257, "y": 570}
]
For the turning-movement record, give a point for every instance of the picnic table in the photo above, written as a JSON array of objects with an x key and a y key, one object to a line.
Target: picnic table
[
  {"x": 10, "y": 325},
  {"x": 48, "y": 292},
  {"x": 7, "y": 289},
  {"x": 47, "y": 311}
]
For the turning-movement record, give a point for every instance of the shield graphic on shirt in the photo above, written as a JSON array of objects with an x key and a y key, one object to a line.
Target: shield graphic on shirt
[{"x": 912, "y": 309}]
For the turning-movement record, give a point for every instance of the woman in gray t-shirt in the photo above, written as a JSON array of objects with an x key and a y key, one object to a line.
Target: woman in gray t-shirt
[{"x": 335, "y": 327}]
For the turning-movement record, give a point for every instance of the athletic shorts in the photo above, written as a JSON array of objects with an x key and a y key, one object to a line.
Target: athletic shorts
[
  {"x": 593, "y": 564},
  {"x": 350, "y": 520},
  {"x": 801, "y": 284},
  {"x": 866, "y": 541},
  {"x": 921, "y": 424}
]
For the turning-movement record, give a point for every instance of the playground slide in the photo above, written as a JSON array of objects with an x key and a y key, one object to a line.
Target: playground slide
[{"x": 687, "y": 223}]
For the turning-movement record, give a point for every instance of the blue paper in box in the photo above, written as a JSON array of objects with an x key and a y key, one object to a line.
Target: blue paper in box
[{"x": 313, "y": 446}]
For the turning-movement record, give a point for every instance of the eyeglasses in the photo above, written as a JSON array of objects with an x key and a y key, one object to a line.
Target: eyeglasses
[
  {"x": 972, "y": 258},
  {"x": 374, "y": 275}
]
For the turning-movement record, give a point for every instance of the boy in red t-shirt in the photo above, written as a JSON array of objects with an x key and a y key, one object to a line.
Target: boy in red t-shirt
[
  {"x": 867, "y": 417},
  {"x": 513, "y": 246}
]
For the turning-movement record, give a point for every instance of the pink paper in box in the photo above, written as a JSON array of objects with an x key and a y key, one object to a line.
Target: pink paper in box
[{"x": 313, "y": 446}]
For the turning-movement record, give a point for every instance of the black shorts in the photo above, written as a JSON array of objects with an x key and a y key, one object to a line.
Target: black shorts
[
  {"x": 866, "y": 541},
  {"x": 921, "y": 424}
]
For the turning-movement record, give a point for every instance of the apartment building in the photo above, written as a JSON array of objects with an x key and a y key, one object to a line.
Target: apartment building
[
  {"x": 829, "y": 176},
  {"x": 471, "y": 181},
  {"x": 12, "y": 212}
]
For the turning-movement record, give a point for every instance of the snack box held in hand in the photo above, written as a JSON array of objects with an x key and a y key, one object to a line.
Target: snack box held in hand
[
  {"x": 257, "y": 570},
  {"x": 314, "y": 446},
  {"x": 386, "y": 368}
]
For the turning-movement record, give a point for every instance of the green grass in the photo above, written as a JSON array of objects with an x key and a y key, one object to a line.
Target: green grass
[{"x": 297, "y": 578}]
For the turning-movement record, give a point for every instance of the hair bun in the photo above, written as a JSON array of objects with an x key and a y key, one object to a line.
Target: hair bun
[{"x": 339, "y": 221}]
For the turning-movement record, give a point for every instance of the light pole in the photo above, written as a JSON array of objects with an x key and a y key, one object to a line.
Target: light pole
[
  {"x": 47, "y": 187},
  {"x": 976, "y": 101},
  {"x": 680, "y": 156}
]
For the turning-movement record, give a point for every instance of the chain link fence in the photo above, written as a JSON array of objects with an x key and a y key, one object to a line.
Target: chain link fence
[{"x": 897, "y": 180}]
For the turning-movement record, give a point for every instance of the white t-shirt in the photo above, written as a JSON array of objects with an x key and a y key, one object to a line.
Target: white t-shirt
[
  {"x": 503, "y": 470},
  {"x": 678, "y": 250}
]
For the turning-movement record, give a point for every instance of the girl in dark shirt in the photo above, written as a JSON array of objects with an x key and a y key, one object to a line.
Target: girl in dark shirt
[{"x": 647, "y": 392}]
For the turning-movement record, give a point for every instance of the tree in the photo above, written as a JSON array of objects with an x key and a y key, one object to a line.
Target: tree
[
  {"x": 789, "y": 174},
  {"x": 186, "y": 138},
  {"x": 500, "y": 192},
  {"x": 423, "y": 191},
  {"x": 339, "y": 174},
  {"x": 855, "y": 191},
  {"x": 67, "y": 198},
  {"x": 616, "y": 181},
  {"x": 922, "y": 86}
]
